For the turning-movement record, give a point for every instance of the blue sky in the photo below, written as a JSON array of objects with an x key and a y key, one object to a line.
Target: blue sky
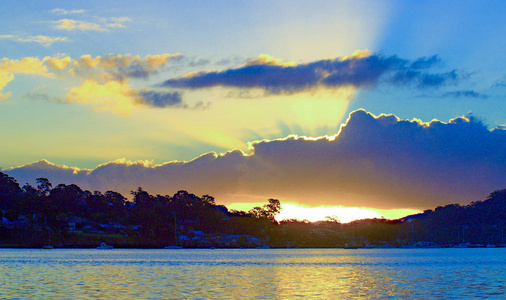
[{"x": 94, "y": 83}]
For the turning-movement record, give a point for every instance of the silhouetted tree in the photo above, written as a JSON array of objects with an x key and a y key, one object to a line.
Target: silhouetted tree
[
  {"x": 43, "y": 186},
  {"x": 9, "y": 191},
  {"x": 268, "y": 211}
]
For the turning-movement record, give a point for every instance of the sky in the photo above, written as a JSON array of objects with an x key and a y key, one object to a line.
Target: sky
[{"x": 346, "y": 108}]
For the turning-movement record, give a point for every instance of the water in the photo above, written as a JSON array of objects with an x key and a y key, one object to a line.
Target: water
[{"x": 252, "y": 273}]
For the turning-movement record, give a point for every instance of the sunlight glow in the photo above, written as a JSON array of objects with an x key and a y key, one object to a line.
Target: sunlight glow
[
  {"x": 321, "y": 213},
  {"x": 313, "y": 214},
  {"x": 314, "y": 113}
]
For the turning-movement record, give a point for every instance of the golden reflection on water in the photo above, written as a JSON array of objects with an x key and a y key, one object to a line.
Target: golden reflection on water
[{"x": 254, "y": 273}]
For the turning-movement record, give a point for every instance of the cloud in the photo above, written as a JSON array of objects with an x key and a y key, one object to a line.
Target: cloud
[
  {"x": 197, "y": 63},
  {"x": 37, "y": 94},
  {"x": 59, "y": 62},
  {"x": 120, "y": 98},
  {"x": 112, "y": 66},
  {"x": 160, "y": 99},
  {"x": 118, "y": 22},
  {"x": 5, "y": 77},
  {"x": 105, "y": 79},
  {"x": 425, "y": 62},
  {"x": 117, "y": 66},
  {"x": 61, "y": 11},
  {"x": 361, "y": 70},
  {"x": 500, "y": 83},
  {"x": 76, "y": 25},
  {"x": 41, "y": 39},
  {"x": 26, "y": 65},
  {"x": 265, "y": 59},
  {"x": 29, "y": 65},
  {"x": 465, "y": 93},
  {"x": 234, "y": 60},
  {"x": 106, "y": 82},
  {"x": 374, "y": 161},
  {"x": 120, "y": 19},
  {"x": 115, "y": 96},
  {"x": 101, "y": 24},
  {"x": 57, "y": 173}
]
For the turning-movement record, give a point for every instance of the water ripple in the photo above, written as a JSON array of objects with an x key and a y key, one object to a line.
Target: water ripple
[{"x": 245, "y": 274}]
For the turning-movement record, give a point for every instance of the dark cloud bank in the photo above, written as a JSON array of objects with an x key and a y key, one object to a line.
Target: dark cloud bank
[
  {"x": 356, "y": 71},
  {"x": 380, "y": 162}
]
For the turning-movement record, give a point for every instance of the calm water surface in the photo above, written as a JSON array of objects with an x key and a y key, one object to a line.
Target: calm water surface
[{"x": 252, "y": 273}]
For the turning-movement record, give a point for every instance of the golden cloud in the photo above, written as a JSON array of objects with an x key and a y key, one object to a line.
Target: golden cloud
[
  {"x": 98, "y": 68},
  {"x": 101, "y": 23},
  {"x": 119, "y": 67},
  {"x": 105, "y": 79},
  {"x": 61, "y": 11},
  {"x": 27, "y": 65},
  {"x": 59, "y": 63},
  {"x": 357, "y": 54},
  {"x": 158, "y": 60},
  {"x": 116, "y": 25},
  {"x": 5, "y": 77},
  {"x": 265, "y": 59},
  {"x": 87, "y": 61},
  {"x": 73, "y": 25},
  {"x": 41, "y": 39},
  {"x": 115, "y": 96},
  {"x": 122, "y": 61}
]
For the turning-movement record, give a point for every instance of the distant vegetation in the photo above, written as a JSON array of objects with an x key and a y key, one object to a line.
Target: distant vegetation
[{"x": 67, "y": 216}]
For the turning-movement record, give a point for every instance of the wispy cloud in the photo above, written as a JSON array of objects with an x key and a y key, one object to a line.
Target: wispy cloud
[
  {"x": 374, "y": 161},
  {"x": 37, "y": 94},
  {"x": 40, "y": 39},
  {"x": 76, "y": 25},
  {"x": 465, "y": 94},
  {"x": 500, "y": 83},
  {"x": 360, "y": 70},
  {"x": 116, "y": 22},
  {"x": 5, "y": 77},
  {"x": 119, "y": 66},
  {"x": 99, "y": 24},
  {"x": 61, "y": 11}
]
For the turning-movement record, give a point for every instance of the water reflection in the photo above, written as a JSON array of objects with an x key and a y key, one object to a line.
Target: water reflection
[{"x": 273, "y": 273}]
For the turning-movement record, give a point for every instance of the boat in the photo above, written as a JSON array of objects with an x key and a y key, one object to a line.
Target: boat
[
  {"x": 176, "y": 237},
  {"x": 47, "y": 247},
  {"x": 104, "y": 246}
]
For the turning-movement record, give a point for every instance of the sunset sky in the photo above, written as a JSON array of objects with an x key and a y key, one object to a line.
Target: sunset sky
[{"x": 351, "y": 108}]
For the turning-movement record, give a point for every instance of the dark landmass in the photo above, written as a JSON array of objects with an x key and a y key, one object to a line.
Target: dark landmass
[{"x": 66, "y": 216}]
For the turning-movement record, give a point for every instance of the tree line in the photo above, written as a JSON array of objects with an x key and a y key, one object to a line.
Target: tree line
[
  {"x": 29, "y": 214},
  {"x": 147, "y": 220}
]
